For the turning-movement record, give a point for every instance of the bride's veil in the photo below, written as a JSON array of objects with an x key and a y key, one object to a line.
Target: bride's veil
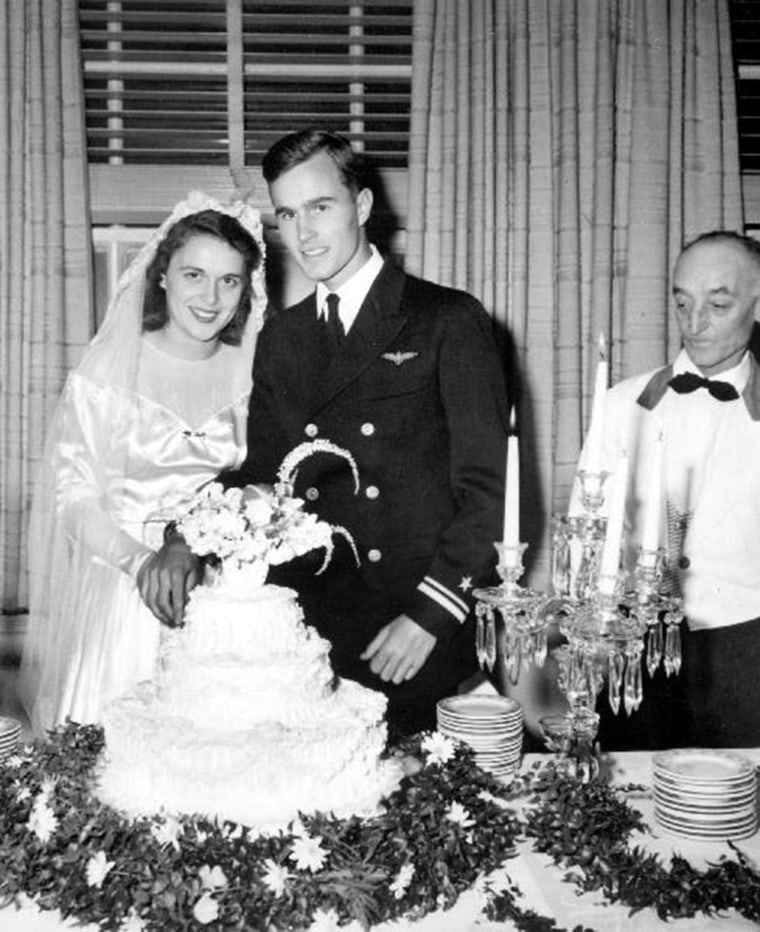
[{"x": 58, "y": 553}]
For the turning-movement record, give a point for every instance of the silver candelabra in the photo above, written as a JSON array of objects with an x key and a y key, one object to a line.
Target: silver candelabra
[{"x": 609, "y": 626}]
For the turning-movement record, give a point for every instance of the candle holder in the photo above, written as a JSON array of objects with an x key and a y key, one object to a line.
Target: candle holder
[
  {"x": 510, "y": 624},
  {"x": 610, "y": 624}
]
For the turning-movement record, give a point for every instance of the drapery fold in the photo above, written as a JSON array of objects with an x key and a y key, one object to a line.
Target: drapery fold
[
  {"x": 561, "y": 153},
  {"x": 45, "y": 254}
]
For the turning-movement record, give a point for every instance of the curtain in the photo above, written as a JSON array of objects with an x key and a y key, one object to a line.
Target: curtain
[
  {"x": 45, "y": 299},
  {"x": 561, "y": 153}
]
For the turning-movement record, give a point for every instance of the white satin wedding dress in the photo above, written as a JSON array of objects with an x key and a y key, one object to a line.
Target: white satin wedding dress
[
  {"x": 175, "y": 434},
  {"x": 135, "y": 432}
]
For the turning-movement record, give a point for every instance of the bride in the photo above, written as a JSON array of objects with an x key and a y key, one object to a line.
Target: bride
[{"x": 156, "y": 409}]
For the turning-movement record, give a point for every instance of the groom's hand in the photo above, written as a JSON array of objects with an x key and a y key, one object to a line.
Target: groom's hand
[
  {"x": 399, "y": 650},
  {"x": 166, "y": 579}
]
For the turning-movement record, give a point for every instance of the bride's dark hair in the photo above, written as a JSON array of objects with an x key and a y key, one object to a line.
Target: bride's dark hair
[{"x": 207, "y": 223}]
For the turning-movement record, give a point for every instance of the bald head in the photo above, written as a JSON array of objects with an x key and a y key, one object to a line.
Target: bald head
[{"x": 716, "y": 285}]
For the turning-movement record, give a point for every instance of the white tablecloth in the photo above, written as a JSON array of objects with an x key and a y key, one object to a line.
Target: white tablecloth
[{"x": 538, "y": 879}]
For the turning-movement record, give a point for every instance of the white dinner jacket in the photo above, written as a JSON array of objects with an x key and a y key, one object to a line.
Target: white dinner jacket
[{"x": 719, "y": 568}]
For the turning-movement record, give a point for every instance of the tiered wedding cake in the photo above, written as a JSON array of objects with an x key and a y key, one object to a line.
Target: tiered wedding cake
[{"x": 245, "y": 719}]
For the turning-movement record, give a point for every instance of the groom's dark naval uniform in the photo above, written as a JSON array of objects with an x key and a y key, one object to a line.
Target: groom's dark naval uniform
[{"x": 415, "y": 392}]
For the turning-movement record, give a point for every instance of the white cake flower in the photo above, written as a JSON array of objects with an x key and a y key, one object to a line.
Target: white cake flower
[
  {"x": 308, "y": 853},
  {"x": 402, "y": 881},
  {"x": 439, "y": 748},
  {"x": 257, "y": 505},
  {"x": 259, "y": 523},
  {"x": 42, "y": 820},
  {"x": 206, "y": 909},
  {"x": 457, "y": 813},
  {"x": 23, "y": 793},
  {"x": 212, "y": 878},
  {"x": 275, "y": 876},
  {"x": 97, "y": 869}
]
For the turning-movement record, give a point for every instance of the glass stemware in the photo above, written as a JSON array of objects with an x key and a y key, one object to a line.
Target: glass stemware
[{"x": 571, "y": 736}]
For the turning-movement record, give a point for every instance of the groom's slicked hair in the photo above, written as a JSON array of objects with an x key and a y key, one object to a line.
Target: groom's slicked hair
[{"x": 296, "y": 148}]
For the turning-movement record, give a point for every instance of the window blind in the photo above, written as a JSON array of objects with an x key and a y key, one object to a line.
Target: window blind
[
  {"x": 745, "y": 36},
  {"x": 156, "y": 77},
  {"x": 745, "y": 31}
]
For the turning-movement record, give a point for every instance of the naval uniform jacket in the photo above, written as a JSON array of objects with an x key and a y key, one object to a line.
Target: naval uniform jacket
[{"x": 416, "y": 394}]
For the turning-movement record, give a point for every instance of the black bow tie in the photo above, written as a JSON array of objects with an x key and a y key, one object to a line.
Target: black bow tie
[{"x": 690, "y": 382}]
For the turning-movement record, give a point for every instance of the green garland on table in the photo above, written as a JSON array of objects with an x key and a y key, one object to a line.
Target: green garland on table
[
  {"x": 447, "y": 825},
  {"x": 440, "y": 830},
  {"x": 586, "y": 827}
]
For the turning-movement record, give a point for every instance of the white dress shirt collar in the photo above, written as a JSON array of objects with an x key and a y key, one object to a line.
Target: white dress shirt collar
[{"x": 353, "y": 292}]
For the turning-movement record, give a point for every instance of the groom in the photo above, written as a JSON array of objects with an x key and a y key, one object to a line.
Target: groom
[{"x": 403, "y": 374}]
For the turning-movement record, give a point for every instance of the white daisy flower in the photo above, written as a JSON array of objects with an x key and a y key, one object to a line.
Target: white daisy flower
[
  {"x": 206, "y": 909},
  {"x": 212, "y": 878},
  {"x": 97, "y": 868},
  {"x": 133, "y": 923},
  {"x": 275, "y": 876},
  {"x": 402, "y": 880},
  {"x": 167, "y": 832},
  {"x": 308, "y": 853},
  {"x": 47, "y": 787},
  {"x": 42, "y": 820},
  {"x": 325, "y": 920},
  {"x": 457, "y": 813},
  {"x": 439, "y": 748}
]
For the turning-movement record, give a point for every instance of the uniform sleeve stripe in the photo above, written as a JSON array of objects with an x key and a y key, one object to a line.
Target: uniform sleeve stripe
[
  {"x": 447, "y": 593},
  {"x": 443, "y": 601}
]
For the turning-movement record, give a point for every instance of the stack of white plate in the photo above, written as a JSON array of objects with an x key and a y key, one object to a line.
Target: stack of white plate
[
  {"x": 705, "y": 794},
  {"x": 491, "y": 725},
  {"x": 10, "y": 732}
]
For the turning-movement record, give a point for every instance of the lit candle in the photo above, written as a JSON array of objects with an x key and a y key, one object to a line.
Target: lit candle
[
  {"x": 593, "y": 457},
  {"x": 610, "y": 562},
  {"x": 511, "y": 535},
  {"x": 650, "y": 539}
]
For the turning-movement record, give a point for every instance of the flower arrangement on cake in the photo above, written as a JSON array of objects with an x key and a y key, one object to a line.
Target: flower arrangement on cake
[{"x": 246, "y": 530}]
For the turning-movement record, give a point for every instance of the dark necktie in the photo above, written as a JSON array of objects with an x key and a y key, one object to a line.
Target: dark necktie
[
  {"x": 333, "y": 323},
  {"x": 690, "y": 382}
]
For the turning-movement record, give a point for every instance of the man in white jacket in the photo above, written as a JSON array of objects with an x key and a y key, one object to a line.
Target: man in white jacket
[{"x": 706, "y": 408}]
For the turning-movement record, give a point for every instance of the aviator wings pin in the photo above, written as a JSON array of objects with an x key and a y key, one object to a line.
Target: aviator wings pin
[{"x": 399, "y": 358}]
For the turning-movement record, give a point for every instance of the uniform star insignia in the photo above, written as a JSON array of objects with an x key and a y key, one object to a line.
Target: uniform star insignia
[
  {"x": 466, "y": 583},
  {"x": 399, "y": 358}
]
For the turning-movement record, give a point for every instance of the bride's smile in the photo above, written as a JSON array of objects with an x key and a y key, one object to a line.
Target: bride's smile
[{"x": 204, "y": 284}]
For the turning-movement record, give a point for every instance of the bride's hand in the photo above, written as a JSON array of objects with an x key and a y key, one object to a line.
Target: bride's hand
[{"x": 166, "y": 578}]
